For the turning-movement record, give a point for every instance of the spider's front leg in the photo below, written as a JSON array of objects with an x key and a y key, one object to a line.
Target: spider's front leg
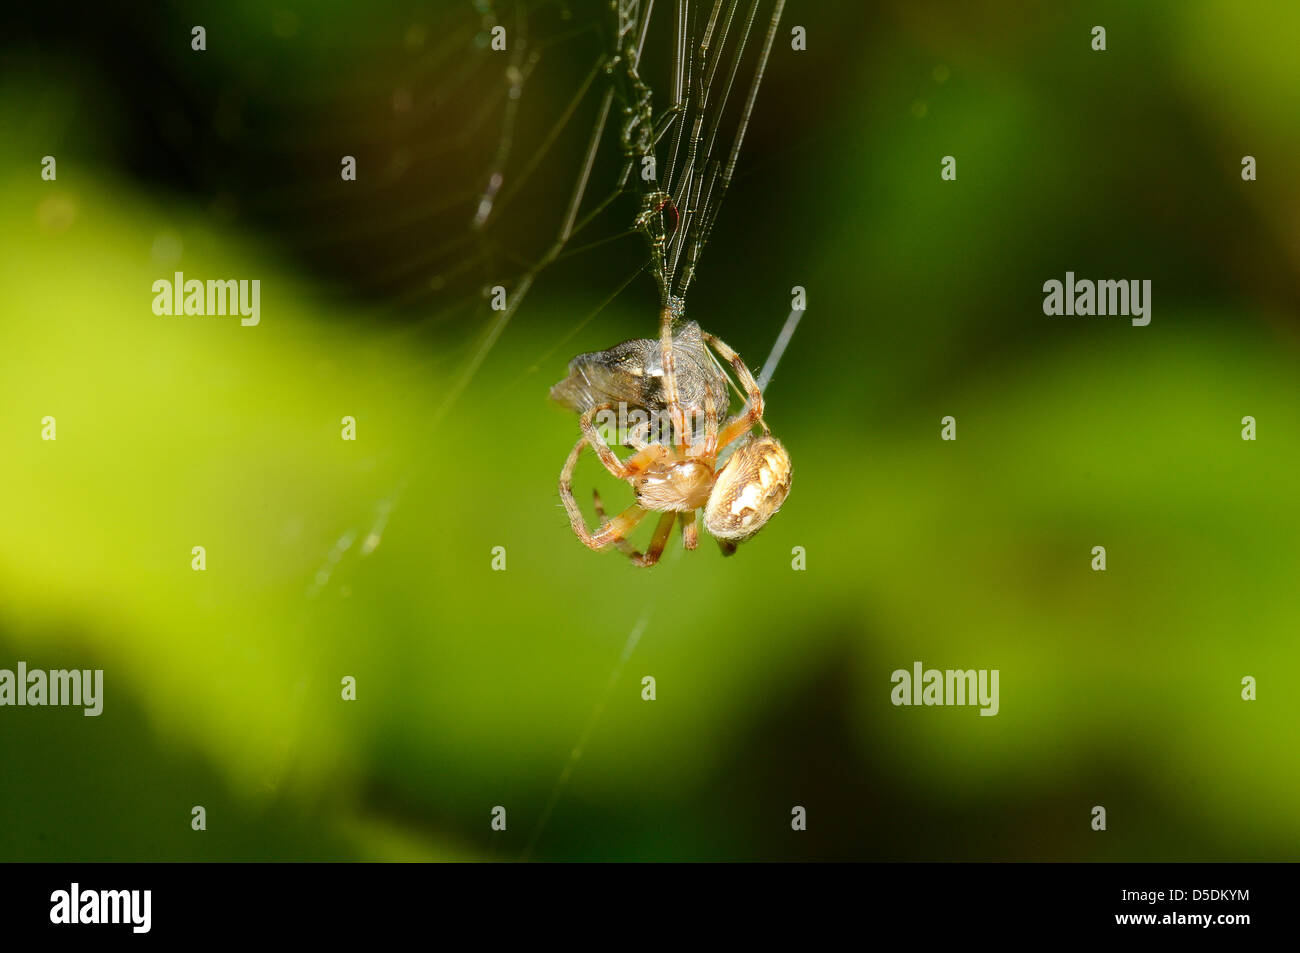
[
  {"x": 620, "y": 543},
  {"x": 638, "y": 438},
  {"x": 610, "y": 530},
  {"x": 623, "y": 469},
  {"x": 708, "y": 450},
  {"x": 671, "y": 398},
  {"x": 620, "y": 526},
  {"x": 744, "y": 422}
]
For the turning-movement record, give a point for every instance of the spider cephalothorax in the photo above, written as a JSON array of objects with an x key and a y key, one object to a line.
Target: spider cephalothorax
[{"x": 681, "y": 474}]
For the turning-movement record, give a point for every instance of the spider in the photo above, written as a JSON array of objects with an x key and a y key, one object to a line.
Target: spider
[{"x": 680, "y": 475}]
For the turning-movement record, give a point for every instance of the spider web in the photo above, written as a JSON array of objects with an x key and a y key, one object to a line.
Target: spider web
[
  {"x": 710, "y": 56},
  {"x": 704, "y": 48}
]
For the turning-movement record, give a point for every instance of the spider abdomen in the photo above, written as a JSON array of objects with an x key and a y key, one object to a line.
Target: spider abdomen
[{"x": 749, "y": 490}]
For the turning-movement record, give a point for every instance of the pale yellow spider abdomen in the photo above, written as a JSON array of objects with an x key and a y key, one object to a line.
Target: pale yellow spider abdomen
[{"x": 749, "y": 490}]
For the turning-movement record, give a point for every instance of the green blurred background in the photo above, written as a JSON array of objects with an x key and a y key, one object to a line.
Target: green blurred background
[{"x": 474, "y": 687}]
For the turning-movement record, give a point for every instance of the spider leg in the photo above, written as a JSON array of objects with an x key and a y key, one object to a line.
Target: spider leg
[
  {"x": 690, "y": 530},
  {"x": 637, "y": 438},
  {"x": 623, "y": 469},
  {"x": 610, "y": 530},
  {"x": 744, "y": 422},
  {"x": 657, "y": 542},
  {"x": 711, "y": 420},
  {"x": 671, "y": 399},
  {"x": 620, "y": 543},
  {"x": 709, "y": 449}
]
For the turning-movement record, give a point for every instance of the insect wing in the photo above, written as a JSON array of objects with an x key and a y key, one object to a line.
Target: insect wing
[{"x": 631, "y": 373}]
